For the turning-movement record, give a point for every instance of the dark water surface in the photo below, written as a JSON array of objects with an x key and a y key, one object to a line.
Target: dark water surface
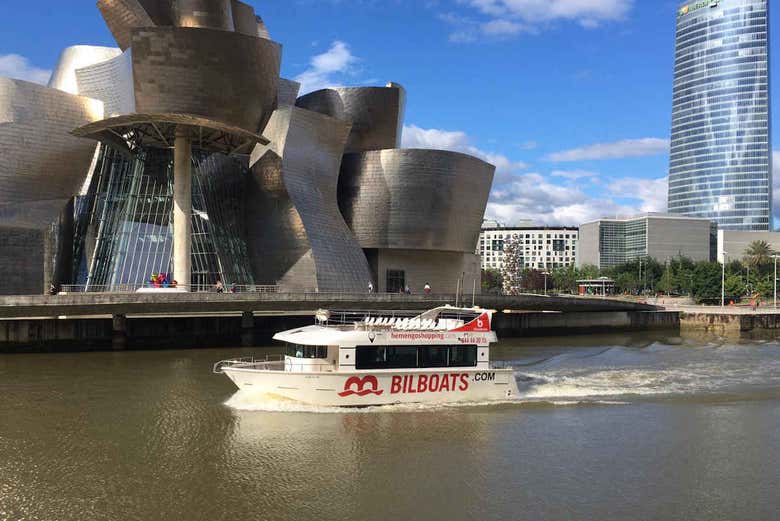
[{"x": 610, "y": 428}]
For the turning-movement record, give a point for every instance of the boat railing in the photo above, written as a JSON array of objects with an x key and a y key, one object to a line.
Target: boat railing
[
  {"x": 268, "y": 363},
  {"x": 391, "y": 319},
  {"x": 502, "y": 364}
]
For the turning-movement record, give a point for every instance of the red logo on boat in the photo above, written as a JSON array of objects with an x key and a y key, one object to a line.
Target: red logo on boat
[
  {"x": 481, "y": 324},
  {"x": 361, "y": 386}
]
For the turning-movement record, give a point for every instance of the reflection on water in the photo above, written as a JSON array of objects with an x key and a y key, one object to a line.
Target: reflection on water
[{"x": 611, "y": 427}]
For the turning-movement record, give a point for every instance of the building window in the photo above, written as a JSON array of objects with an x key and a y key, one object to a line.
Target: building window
[{"x": 396, "y": 281}]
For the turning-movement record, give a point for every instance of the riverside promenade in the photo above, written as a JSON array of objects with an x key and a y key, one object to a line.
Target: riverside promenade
[{"x": 97, "y": 321}]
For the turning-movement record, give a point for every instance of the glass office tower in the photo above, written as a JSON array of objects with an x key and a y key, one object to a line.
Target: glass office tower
[{"x": 721, "y": 139}]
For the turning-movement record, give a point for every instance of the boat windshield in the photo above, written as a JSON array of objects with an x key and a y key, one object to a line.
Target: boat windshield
[{"x": 299, "y": 351}]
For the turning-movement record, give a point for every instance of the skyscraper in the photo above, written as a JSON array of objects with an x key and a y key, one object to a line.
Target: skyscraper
[{"x": 721, "y": 132}]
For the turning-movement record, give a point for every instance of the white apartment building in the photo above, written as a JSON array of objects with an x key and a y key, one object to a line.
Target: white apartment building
[{"x": 542, "y": 247}]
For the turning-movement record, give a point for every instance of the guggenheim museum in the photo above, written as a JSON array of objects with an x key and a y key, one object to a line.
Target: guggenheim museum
[{"x": 182, "y": 151}]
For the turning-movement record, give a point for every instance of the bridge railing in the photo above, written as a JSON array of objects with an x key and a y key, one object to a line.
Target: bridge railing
[{"x": 150, "y": 288}]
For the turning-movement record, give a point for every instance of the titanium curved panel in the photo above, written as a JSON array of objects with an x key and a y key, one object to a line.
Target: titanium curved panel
[
  {"x": 262, "y": 29},
  {"x": 77, "y": 57},
  {"x": 245, "y": 20},
  {"x": 122, "y": 16},
  {"x": 376, "y": 113},
  {"x": 309, "y": 147},
  {"x": 228, "y": 77},
  {"x": 415, "y": 199},
  {"x": 39, "y": 159},
  {"x": 288, "y": 92},
  {"x": 111, "y": 82},
  {"x": 206, "y": 14}
]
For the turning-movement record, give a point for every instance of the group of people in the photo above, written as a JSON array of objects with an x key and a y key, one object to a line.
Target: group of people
[
  {"x": 219, "y": 287},
  {"x": 405, "y": 290}
]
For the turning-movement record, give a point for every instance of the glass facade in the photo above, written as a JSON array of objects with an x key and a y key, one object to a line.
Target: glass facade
[
  {"x": 720, "y": 165},
  {"x": 123, "y": 226},
  {"x": 622, "y": 241}
]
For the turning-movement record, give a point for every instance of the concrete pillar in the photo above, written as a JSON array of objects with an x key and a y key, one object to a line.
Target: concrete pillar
[
  {"x": 248, "y": 329},
  {"x": 182, "y": 208},
  {"x": 119, "y": 332}
]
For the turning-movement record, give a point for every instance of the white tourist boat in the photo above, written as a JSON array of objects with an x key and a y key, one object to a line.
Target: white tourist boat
[{"x": 350, "y": 359}]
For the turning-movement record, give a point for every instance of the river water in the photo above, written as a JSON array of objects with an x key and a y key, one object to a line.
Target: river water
[{"x": 609, "y": 428}]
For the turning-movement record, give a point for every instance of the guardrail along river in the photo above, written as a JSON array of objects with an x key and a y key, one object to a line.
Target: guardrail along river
[{"x": 608, "y": 428}]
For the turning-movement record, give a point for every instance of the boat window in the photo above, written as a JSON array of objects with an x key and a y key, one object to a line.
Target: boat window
[
  {"x": 386, "y": 357},
  {"x": 299, "y": 351},
  {"x": 463, "y": 356},
  {"x": 434, "y": 356},
  {"x": 412, "y": 357}
]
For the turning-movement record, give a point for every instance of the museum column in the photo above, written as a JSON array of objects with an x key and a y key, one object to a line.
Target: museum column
[{"x": 182, "y": 208}]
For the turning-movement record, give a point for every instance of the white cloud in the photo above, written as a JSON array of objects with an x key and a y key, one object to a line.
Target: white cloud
[
  {"x": 588, "y": 13},
  {"x": 651, "y": 193},
  {"x": 457, "y": 141},
  {"x": 532, "y": 196},
  {"x": 621, "y": 149},
  {"x": 325, "y": 69},
  {"x": 574, "y": 175},
  {"x": 20, "y": 68}
]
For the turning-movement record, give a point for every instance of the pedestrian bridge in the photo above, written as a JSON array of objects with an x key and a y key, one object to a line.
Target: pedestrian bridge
[{"x": 113, "y": 304}]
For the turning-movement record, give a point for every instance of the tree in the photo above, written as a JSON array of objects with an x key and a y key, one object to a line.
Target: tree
[
  {"x": 492, "y": 281},
  {"x": 735, "y": 287},
  {"x": 589, "y": 272},
  {"x": 758, "y": 255},
  {"x": 565, "y": 279},
  {"x": 666, "y": 284},
  {"x": 706, "y": 282},
  {"x": 535, "y": 280}
]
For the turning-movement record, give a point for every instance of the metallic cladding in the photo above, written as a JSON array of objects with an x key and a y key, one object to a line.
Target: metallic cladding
[
  {"x": 721, "y": 157},
  {"x": 309, "y": 148},
  {"x": 77, "y": 57},
  {"x": 288, "y": 92},
  {"x": 39, "y": 159},
  {"x": 376, "y": 113},
  {"x": 227, "y": 77},
  {"x": 111, "y": 82},
  {"x": 122, "y": 16},
  {"x": 415, "y": 199},
  {"x": 206, "y": 14},
  {"x": 244, "y": 19}
]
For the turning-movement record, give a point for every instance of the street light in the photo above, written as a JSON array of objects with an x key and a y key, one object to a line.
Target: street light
[{"x": 723, "y": 282}]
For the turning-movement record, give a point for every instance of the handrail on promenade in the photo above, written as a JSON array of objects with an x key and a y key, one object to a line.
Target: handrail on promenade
[{"x": 136, "y": 288}]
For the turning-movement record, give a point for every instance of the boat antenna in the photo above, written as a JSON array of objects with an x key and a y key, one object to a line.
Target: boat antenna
[
  {"x": 457, "y": 293},
  {"x": 474, "y": 294}
]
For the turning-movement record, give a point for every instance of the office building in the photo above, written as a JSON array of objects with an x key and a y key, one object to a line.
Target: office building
[
  {"x": 733, "y": 245},
  {"x": 542, "y": 248},
  {"x": 721, "y": 155},
  {"x": 607, "y": 243}
]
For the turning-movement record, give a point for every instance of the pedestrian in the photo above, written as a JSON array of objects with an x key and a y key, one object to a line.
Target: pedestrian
[
  {"x": 219, "y": 286},
  {"x": 233, "y": 288},
  {"x": 408, "y": 290},
  {"x": 370, "y": 287},
  {"x": 427, "y": 289}
]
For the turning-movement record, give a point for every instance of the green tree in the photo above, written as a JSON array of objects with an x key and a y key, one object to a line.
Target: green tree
[
  {"x": 565, "y": 279},
  {"x": 735, "y": 287},
  {"x": 706, "y": 282},
  {"x": 666, "y": 284},
  {"x": 758, "y": 255},
  {"x": 589, "y": 272},
  {"x": 492, "y": 281}
]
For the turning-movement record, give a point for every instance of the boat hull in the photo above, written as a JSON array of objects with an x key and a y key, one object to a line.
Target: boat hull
[{"x": 372, "y": 388}]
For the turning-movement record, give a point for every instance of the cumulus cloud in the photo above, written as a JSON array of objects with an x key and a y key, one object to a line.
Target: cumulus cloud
[
  {"x": 574, "y": 175},
  {"x": 588, "y": 13},
  {"x": 20, "y": 68},
  {"x": 532, "y": 196},
  {"x": 621, "y": 149},
  {"x": 326, "y": 69},
  {"x": 651, "y": 193},
  {"x": 458, "y": 141}
]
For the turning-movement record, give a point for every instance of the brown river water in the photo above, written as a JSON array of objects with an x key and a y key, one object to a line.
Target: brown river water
[{"x": 607, "y": 428}]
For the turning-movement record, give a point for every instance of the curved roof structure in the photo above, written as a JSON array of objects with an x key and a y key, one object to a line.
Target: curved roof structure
[
  {"x": 376, "y": 113},
  {"x": 227, "y": 77},
  {"x": 73, "y": 58},
  {"x": 39, "y": 159},
  {"x": 305, "y": 154},
  {"x": 415, "y": 199}
]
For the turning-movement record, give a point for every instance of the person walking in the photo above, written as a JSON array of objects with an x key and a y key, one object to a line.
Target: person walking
[
  {"x": 219, "y": 287},
  {"x": 370, "y": 287},
  {"x": 408, "y": 290},
  {"x": 427, "y": 289}
]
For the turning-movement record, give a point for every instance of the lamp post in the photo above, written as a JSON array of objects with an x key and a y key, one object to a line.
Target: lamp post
[{"x": 723, "y": 282}]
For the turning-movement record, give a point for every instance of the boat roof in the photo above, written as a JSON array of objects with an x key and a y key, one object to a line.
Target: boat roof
[{"x": 345, "y": 328}]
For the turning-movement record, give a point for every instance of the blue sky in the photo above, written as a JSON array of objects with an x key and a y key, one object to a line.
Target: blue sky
[{"x": 571, "y": 99}]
